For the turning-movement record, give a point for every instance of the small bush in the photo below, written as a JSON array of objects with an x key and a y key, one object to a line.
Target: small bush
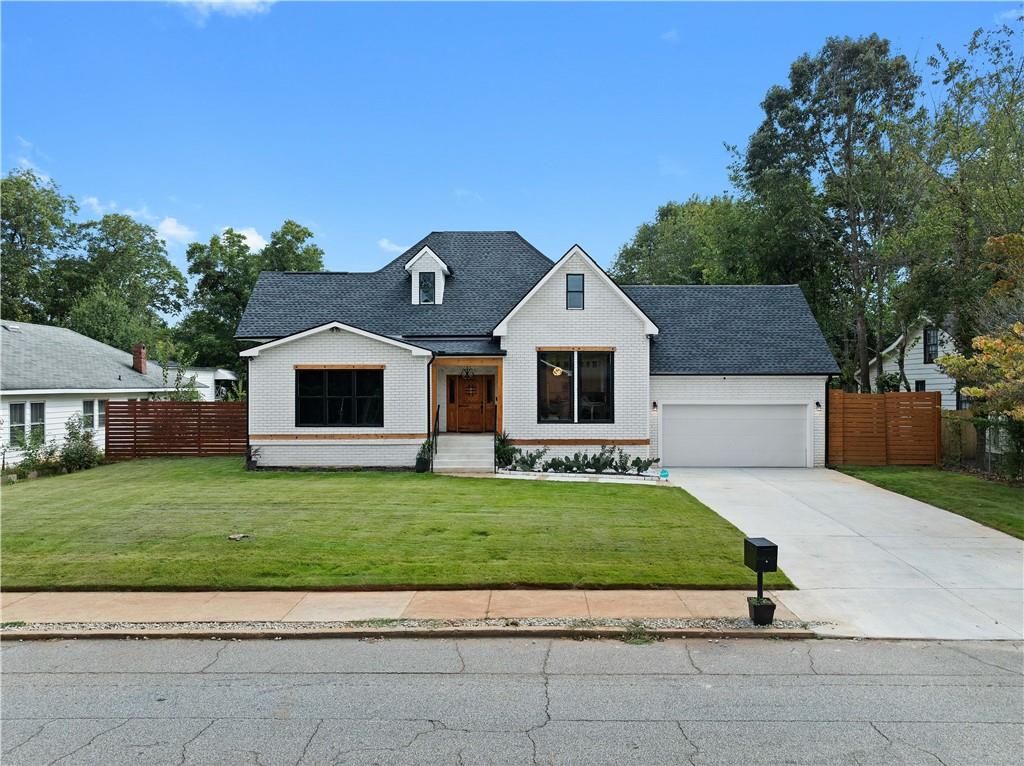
[
  {"x": 527, "y": 461},
  {"x": 40, "y": 456},
  {"x": 80, "y": 451},
  {"x": 642, "y": 464},
  {"x": 425, "y": 449},
  {"x": 504, "y": 453}
]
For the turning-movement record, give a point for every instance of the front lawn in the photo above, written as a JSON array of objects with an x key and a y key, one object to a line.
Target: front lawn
[
  {"x": 987, "y": 502},
  {"x": 165, "y": 523}
]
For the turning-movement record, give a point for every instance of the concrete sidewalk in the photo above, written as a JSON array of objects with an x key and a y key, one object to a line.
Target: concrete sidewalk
[{"x": 331, "y": 606}]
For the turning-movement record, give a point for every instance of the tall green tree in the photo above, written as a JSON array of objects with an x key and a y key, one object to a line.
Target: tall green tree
[
  {"x": 289, "y": 249},
  {"x": 837, "y": 125},
  {"x": 105, "y": 315},
  {"x": 127, "y": 257},
  {"x": 226, "y": 270},
  {"x": 36, "y": 226}
]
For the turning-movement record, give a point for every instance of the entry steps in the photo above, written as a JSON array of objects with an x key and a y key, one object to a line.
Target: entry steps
[{"x": 464, "y": 453}]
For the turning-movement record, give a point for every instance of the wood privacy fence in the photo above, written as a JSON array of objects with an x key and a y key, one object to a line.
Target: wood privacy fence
[
  {"x": 175, "y": 429},
  {"x": 884, "y": 429}
]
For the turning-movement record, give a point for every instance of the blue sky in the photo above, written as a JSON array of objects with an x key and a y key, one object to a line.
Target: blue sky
[{"x": 375, "y": 123}]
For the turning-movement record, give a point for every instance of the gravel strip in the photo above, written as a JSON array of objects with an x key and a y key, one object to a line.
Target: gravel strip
[{"x": 718, "y": 623}]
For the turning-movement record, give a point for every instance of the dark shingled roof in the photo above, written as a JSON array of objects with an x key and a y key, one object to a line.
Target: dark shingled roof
[
  {"x": 704, "y": 330},
  {"x": 490, "y": 272},
  {"x": 733, "y": 330},
  {"x": 38, "y": 357}
]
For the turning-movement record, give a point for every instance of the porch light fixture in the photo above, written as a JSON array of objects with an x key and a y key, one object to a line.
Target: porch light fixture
[
  {"x": 467, "y": 373},
  {"x": 817, "y": 406},
  {"x": 654, "y": 406}
]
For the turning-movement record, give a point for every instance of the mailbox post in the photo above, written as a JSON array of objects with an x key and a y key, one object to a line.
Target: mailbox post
[{"x": 761, "y": 555}]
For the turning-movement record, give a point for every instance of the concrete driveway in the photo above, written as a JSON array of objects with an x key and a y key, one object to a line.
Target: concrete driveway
[{"x": 871, "y": 561}]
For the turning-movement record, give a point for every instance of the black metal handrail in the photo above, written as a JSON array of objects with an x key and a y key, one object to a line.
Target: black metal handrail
[{"x": 433, "y": 436}]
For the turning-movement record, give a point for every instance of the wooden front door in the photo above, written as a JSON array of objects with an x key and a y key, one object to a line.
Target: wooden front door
[{"x": 471, "y": 405}]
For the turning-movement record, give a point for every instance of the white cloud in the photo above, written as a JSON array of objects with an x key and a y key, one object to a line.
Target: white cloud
[
  {"x": 388, "y": 246},
  {"x": 671, "y": 36},
  {"x": 143, "y": 213},
  {"x": 252, "y": 238},
  {"x": 172, "y": 230},
  {"x": 1011, "y": 14},
  {"x": 201, "y": 10},
  {"x": 97, "y": 207}
]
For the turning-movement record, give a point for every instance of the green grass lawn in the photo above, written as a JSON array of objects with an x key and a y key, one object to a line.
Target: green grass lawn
[
  {"x": 164, "y": 524},
  {"x": 990, "y": 503}
]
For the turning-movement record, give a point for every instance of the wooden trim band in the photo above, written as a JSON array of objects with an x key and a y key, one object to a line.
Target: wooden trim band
[
  {"x": 576, "y": 348},
  {"x": 467, "y": 361},
  {"x": 339, "y": 366},
  {"x": 330, "y": 437},
  {"x": 586, "y": 442}
]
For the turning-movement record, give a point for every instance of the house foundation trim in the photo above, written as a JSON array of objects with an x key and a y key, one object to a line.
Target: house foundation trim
[
  {"x": 585, "y": 442},
  {"x": 330, "y": 437}
]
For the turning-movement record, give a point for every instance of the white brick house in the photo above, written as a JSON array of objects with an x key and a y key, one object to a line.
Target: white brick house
[{"x": 480, "y": 332}]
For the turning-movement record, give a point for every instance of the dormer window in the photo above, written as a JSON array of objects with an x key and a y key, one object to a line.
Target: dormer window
[
  {"x": 427, "y": 272},
  {"x": 427, "y": 282}
]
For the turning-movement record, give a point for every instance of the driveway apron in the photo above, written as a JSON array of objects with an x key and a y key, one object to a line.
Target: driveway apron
[{"x": 872, "y": 562}]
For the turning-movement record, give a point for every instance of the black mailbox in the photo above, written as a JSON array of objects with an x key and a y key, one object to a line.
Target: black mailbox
[{"x": 760, "y": 554}]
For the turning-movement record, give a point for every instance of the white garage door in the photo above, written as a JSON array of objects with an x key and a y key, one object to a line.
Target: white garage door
[{"x": 734, "y": 435}]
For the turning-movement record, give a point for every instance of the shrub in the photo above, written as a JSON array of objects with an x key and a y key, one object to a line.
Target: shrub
[
  {"x": 425, "y": 449},
  {"x": 642, "y": 464},
  {"x": 504, "y": 453},
  {"x": 39, "y": 455},
  {"x": 79, "y": 451},
  {"x": 527, "y": 461}
]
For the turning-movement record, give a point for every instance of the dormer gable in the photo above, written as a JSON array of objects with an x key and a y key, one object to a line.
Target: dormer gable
[{"x": 428, "y": 273}]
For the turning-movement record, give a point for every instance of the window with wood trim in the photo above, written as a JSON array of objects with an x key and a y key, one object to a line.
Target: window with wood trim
[
  {"x": 328, "y": 398},
  {"x": 555, "y": 387},
  {"x": 574, "y": 291},
  {"x": 575, "y": 387},
  {"x": 931, "y": 344}
]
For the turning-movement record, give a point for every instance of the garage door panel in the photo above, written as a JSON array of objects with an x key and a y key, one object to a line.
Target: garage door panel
[{"x": 761, "y": 435}]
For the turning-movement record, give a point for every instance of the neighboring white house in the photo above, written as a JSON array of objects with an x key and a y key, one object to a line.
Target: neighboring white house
[
  {"x": 50, "y": 374},
  {"x": 211, "y": 382},
  {"x": 480, "y": 332},
  {"x": 927, "y": 343}
]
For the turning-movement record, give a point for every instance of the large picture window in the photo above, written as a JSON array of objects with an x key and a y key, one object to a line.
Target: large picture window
[
  {"x": 555, "y": 383},
  {"x": 575, "y": 387},
  {"x": 595, "y": 387},
  {"x": 339, "y": 397}
]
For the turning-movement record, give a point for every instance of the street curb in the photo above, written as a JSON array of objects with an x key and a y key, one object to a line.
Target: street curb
[{"x": 378, "y": 633}]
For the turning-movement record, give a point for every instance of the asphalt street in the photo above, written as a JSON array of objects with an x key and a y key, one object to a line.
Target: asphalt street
[{"x": 515, "y": 701}]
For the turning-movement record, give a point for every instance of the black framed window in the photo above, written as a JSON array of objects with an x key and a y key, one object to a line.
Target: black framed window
[
  {"x": 427, "y": 286},
  {"x": 963, "y": 402},
  {"x": 931, "y": 344},
  {"x": 595, "y": 386},
  {"x": 574, "y": 291},
  {"x": 919, "y": 386},
  {"x": 339, "y": 398},
  {"x": 555, "y": 384}
]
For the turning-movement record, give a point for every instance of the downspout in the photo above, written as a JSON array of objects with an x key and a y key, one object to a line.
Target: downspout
[
  {"x": 248, "y": 413},
  {"x": 430, "y": 415}
]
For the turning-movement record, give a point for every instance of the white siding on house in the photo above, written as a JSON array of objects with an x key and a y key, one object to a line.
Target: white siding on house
[
  {"x": 915, "y": 368},
  {"x": 606, "y": 320},
  {"x": 59, "y": 408},
  {"x": 753, "y": 389},
  {"x": 272, "y": 403}
]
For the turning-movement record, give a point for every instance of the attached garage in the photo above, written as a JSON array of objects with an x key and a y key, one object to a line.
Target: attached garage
[{"x": 742, "y": 434}]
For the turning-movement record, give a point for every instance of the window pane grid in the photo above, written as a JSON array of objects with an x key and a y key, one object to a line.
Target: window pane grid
[
  {"x": 88, "y": 410},
  {"x": 339, "y": 398}
]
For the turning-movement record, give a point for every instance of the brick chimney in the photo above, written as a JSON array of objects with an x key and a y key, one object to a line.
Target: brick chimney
[{"x": 139, "y": 358}]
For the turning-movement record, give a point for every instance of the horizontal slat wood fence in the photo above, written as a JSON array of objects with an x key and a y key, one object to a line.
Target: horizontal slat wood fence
[
  {"x": 884, "y": 429},
  {"x": 175, "y": 429}
]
